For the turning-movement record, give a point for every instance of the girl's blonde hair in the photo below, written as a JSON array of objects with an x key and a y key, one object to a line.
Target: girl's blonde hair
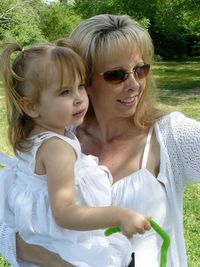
[
  {"x": 32, "y": 71},
  {"x": 105, "y": 37}
]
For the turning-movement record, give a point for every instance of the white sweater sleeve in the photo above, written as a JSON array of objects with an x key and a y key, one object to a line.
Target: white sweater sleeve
[
  {"x": 182, "y": 141},
  {"x": 187, "y": 137},
  {"x": 8, "y": 246}
]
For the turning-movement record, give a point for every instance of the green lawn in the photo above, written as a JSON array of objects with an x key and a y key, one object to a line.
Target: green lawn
[
  {"x": 179, "y": 86},
  {"x": 179, "y": 89}
]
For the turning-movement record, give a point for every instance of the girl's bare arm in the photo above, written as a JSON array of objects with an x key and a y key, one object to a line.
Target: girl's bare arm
[{"x": 59, "y": 159}]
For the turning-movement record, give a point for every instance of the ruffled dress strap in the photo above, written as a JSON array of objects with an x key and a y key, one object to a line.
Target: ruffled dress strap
[
  {"x": 69, "y": 137},
  {"x": 29, "y": 157}
]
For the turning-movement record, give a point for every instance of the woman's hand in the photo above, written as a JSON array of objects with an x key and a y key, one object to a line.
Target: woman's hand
[{"x": 38, "y": 255}]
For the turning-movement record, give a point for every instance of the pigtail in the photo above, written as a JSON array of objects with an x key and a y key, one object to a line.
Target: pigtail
[
  {"x": 9, "y": 76},
  {"x": 12, "y": 83}
]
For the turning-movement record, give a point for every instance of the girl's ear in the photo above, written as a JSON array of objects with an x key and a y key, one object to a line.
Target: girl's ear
[{"x": 31, "y": 109}]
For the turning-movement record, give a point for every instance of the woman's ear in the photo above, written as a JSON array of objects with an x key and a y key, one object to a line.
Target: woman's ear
[{"x": 30, "y": 108}]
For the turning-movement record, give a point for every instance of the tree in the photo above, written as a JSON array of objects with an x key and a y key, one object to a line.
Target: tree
[
  {"x": 191, "y": 25},
  {"x": 58, "y": 20},
  {"x": 176, "y": 28},
  {"x": 173, "y": 25},
  {"x": 19, "y": 21},
  {"x": 64, "y": 1},
  {"x": 88, "y": 8}
]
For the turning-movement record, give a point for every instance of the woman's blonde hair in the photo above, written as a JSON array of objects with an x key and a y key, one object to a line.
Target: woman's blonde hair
[
  {"x": 105, "y": 37},
  {"x": 32, "y": 71}
]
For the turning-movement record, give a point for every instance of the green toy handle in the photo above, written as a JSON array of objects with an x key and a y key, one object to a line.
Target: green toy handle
[{"x": 164, "y": 235}]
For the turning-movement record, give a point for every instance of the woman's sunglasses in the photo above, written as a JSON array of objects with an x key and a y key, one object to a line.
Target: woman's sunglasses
[{"x": 120, "y": 75}]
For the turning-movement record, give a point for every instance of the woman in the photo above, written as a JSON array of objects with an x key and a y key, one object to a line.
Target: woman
[{"x": 151, "y": 155}]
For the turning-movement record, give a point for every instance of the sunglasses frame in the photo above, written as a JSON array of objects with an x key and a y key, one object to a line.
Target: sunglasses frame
[{"x": 125, "y": 74}]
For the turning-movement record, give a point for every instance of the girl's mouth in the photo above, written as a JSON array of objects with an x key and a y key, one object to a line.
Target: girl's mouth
[{"x": 79, "y": 114}]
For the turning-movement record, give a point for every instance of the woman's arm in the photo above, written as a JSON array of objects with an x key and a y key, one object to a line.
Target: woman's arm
[
  {"x": 38, "y": 255},
  {"x": 181, "y": 139},
  {"x": 20, "y": 254},
  {"x": 186, "y": 147}
]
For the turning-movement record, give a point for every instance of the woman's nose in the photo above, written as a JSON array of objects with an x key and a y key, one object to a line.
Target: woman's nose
[{"x": 132, "y": 81}]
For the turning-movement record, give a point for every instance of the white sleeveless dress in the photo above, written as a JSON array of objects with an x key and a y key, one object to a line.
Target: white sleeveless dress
[
  {"x": 27, "y": 198},
  {"x": 145, "y": 193}
]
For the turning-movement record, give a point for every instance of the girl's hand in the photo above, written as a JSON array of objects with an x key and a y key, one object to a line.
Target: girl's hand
[
  {"x": 133, "y": 222},
  {"x": 38, "y": 255}
]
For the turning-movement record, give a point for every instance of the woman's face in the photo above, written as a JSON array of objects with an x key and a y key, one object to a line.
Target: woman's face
[{"x": 116, "y": 100}]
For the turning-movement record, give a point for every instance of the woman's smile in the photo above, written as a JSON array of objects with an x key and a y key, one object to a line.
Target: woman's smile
[{"x": 129, "y": 101}]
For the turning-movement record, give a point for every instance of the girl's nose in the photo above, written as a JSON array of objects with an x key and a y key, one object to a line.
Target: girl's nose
[{"x": 78, "y": 99}]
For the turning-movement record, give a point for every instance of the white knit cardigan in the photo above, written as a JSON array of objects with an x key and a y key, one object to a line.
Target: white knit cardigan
[{"x": 179, "y": 139}]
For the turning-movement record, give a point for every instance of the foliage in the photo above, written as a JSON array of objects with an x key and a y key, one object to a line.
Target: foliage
[
  {"x": 191, "y": 24},
  {"x": 88, "y": 8},
  {"x": 173, "y": 25},
  {"x": 19, "y": 21},
  {"x": 175, "y": 28},
  {"x": 58, "y": 20}
]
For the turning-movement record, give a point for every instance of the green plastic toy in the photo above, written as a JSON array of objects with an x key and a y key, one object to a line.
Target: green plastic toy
[{"x": 164, "y": 235}]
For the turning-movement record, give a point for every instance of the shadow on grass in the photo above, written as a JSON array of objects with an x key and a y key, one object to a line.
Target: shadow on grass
[
  {"x": 182, "y": 77},
  {"x": 177, "y": 97}
]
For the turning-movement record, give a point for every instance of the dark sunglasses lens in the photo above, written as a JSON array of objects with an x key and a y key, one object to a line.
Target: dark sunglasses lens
[
  {"x": 142, "y": 71},
  {"x": 115, "y": 76}
]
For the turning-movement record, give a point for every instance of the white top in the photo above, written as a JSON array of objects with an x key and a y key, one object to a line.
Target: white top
[
  {"x": 143, "y": 192},
  {"x": 179, "y": 140},
  {"x": 27, "y": 199}
]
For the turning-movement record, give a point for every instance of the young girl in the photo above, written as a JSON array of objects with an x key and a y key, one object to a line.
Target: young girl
[{"x": 56, "y": 196}]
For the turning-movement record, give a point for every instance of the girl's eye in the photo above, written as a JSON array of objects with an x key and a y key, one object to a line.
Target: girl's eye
[{"x": 65, "y": 92}]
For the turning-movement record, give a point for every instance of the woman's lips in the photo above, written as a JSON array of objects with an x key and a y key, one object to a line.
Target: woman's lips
[{"x": 128, "y": 101}]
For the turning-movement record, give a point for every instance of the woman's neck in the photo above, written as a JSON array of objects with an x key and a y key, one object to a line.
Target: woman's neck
[{"x": 108, "y": 131}]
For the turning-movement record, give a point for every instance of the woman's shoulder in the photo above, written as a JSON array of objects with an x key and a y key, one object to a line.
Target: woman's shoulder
[
  {"x": 174, "y": 119},
  {"x": 177, "y": 124},
  {"x": 172, "y": 116}
]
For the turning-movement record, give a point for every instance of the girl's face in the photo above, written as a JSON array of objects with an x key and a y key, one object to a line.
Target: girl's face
[
  {"x": 59, "y": 107},
  {"x": 116, "y": 99}
]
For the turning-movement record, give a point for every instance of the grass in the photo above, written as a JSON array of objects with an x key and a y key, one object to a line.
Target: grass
[
  {"x": 179, "y": 89},
  {"x": 179, "y": 86}
]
